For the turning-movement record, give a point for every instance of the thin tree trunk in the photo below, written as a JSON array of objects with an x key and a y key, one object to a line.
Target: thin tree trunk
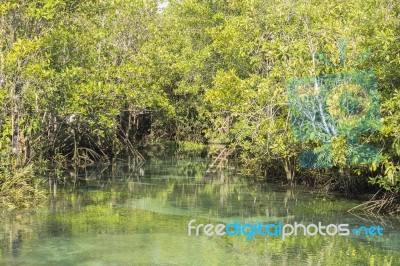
[{"x": 15, "y": 119}]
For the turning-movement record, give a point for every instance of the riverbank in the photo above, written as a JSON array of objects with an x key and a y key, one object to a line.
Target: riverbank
[{"x": 126, "y": 213}]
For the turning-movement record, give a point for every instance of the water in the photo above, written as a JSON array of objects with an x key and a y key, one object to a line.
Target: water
[{"x": 139, "y": 214}]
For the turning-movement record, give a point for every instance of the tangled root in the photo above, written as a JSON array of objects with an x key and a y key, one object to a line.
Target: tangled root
[{"x": 388, "y": 203}]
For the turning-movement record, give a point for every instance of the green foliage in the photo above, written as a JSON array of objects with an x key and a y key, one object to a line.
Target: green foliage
[
  {"x": 390, "y": 177},
  {"x": 190, "y": 147},
  {"x": 93, "y": 80},
  {"x": 250, "y": 49},
  {"x": 18, "y": 186}
]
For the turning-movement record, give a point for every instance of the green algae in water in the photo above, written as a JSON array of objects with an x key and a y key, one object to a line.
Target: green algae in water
[{"x": 142, "y": 220}]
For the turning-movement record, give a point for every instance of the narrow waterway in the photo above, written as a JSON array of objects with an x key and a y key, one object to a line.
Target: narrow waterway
[{"x": 138, "y": 215}]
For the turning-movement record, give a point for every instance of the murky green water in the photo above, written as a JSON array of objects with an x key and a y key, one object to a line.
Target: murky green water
[{"x": 139, "y": 214}]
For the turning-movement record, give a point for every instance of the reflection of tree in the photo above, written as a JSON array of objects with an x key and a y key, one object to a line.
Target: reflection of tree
[
  {"x": 171, "y": 197},
  {"x": 172, "y": 186}
]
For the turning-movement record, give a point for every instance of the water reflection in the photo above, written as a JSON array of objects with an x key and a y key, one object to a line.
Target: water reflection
[{"x": 131, "y": 213}]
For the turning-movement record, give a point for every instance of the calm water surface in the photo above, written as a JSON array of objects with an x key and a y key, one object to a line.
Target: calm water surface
[{"x": 138, "y": 215}]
